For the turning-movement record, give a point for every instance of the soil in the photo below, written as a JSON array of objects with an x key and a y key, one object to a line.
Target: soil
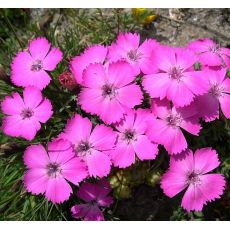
[{"x": 173, "y": 26}]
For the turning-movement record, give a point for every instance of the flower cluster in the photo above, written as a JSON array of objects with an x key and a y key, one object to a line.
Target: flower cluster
[
  {"x": 29, "y": 70},
  {"x": 114, "y": 82}
]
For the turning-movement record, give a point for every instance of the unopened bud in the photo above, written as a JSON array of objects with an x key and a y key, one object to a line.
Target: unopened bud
[{"x": 67, "y": 80}]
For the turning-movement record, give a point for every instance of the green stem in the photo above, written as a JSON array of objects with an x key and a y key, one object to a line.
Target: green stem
[{"x": 12, "y": 28}]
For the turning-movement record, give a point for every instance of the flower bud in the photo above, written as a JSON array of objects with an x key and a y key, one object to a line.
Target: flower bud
[
  {"x": 122, "y": 192},
  {"x": 153, "y": 178},
  {"x": 67, "y": 80}
]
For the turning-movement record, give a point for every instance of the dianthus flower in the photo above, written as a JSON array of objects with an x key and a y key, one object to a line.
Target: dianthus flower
[
  {"x": 48, "y": 173},
  {"x": 190, "y": 171},
  {"x": 109, "y": 91},
  {"x": 127, "y": 47},
  {"x": 23, "y": 115},
  {"x": 165, "y": 127},
  {"x": 91, "y": 145},
  {"x": 29, "y": 67},
  {"x": 218, "y": 96},
  {"x": 175, "y": 79},
  {"x": 132, "y": 140},
  {"x": 209, "y": 53},
  {"x": 96, "y": 195}
]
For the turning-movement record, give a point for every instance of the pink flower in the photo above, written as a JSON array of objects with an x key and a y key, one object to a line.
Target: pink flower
[
  {"x": 48, "y": 173},
  {"x": 95, "y": 195},
  {"x": 132, "y": 139},
  {"x": 94, "y": 54},
  {"x": 107, "y": 91},
  {"x": 219, "y": 93},
  {"x": 29, "y": 67},
  {"x": 210, "y": 53},
  {"x": 92, "y": 146},
  {"x": 190, "y": 171},
  {"x": 165, "y": 128},
  {"x": 128, "y": 48},
  {"x": 175, "y": 79},
  {"x": 23, "y": 115}
]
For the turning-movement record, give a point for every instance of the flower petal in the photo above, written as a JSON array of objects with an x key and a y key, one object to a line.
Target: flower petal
[
  {"x": 182, "y": 163},
  {"x": 35, "y": 156},
  {"x": 94, "y": 214},
  {"x": 173, "y": 183},
  {"x": 80, "y": 210},
  {"x": 120, "y": 74},
  {"x": 12, "y": 105},
  {"x": 58, "y": 190},
  {"x": 111, "y": 111},
  {"x": 98, "y": 163},
  {"x": 191, "y": 125},
  {"x": 103, "y": 138},
  {"x": 39, "y": 48},
  {"x": 225, "y": 105},
  {"x": 123, "y": 155},
  {"x": 172, "y": 138},
  {"x": 15, "y": 126},
  {"x": 94, "y": 76},
  {"x": 208, "y": 107},
  {"x": 44, "y": 111},
  {"x": 212, "y": 186},
  {"x": 156, "y": 84},
  {"x": 193, "y": 199},
  {"x": 90, "y": 100},
  {"x": 52, "y": 59},
  {"x": 160, "y": 108},
  {"x": 196, "y": 81},
  {"x": 35, "y": 180},
  {"x": 60, "y": 151},
  {"x": 32, "y": 97},
  {"x": 94, "y": 54},
  {"x": 179, "y": 94},
  {"x": 144, "y": 148},
  {"x": 87, "y": 192},
  {"x": 74, "y": 170},
  {"x": 185, "y": 58},
  {"x": 124, "y": 95},
  {"x": 205, "y": 160},
  {"x": 77, "y": 129}
]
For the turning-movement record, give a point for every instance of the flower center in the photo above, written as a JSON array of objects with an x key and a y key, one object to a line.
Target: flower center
[
  {"x": 53, "y": 169},
  {"x": 83, "y": 148},
  {"x": 194, "y": 178},
  {"x": 26, "y": 113},
  {"x": 216, "y": 90},
  {"x": 109, "y": 91},
  {"x": 129, "y": 135},
  {"x": 175, "y": 72},
  {"x": 174, "y": 120},
  {"x": 134, "y": 55},
  {"x": 36, "y": 66}
]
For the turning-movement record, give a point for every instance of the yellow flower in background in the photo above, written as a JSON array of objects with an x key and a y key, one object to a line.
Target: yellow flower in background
[
  {"x": 143, "y": 16},
  {"x": 149, "y": 19},
  {"x": 137, "y": 12}
]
